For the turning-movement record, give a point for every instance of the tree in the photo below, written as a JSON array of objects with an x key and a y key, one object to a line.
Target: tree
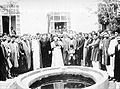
[{"x": 107, "y": 13}]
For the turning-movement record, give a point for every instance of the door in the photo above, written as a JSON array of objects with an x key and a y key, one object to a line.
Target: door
[
  {"x": 60, "y": 26},
  {"x": 5, "y": 24},
  {"x": 13, "y": 24}
]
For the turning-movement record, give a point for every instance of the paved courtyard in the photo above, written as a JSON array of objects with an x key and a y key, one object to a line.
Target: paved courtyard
[{"x": 112, "y": 85}]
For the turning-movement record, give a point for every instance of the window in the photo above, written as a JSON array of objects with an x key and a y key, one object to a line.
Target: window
[
  {"x": 56, "y": 18},
  {"x": 63, "y": 18}
]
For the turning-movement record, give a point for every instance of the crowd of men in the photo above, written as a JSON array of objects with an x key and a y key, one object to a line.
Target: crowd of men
[{"x": 21, "y": 54}]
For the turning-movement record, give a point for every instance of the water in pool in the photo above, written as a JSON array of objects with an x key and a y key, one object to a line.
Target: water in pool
[{"x": 63, "y": 81}]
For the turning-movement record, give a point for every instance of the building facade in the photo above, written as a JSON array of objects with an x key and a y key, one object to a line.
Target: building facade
[
  {"x": 9, "y": 19},
  {"x": 58, "y": 22}
]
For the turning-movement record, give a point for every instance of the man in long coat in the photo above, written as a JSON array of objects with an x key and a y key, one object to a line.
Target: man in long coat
[
  {"x": 79, "y": 48},
  {"x": 65, "y": 49},
  {"x": 3, "y": 64},
  {"x": 45, "y": 48},
  {"x": 116, "y": 51}
]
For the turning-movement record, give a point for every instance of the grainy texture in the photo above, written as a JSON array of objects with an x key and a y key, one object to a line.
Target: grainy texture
[{"x": 112, "y": 85}]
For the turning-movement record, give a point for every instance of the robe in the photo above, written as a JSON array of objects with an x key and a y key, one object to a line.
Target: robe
[
  {"x": 57, "y": 59},
  {"x": 22, "y": 59},
  {"x": 111, "y": 51},
  {"x": 65, "y": 50},
  {"x": 106, "y": 58},
  {"x": 95, "y": 50},
  {"x": 36, "y": 55},
  {"x": 85, "y": 49},
  {"x": 117, "y": 64},
  {"x": 27, "y": 54},
  {"x": 3, "y": 62},
  {"x": 79, "y": 50},
  {"x": 7, "y": 53},
  {"x": 89, "y": 50},
  {"x": 14, "y": 54},
  {"x": 45, "y": 48},
  {"x": 28, "y": 43}
]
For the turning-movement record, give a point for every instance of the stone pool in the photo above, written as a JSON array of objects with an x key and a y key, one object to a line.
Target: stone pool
[{"x": 68, "y": 77}]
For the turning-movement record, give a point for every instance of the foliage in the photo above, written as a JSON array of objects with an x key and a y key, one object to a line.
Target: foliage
[{"x": 107, "y": 13}]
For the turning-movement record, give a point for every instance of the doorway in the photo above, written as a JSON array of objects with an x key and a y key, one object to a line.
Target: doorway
[
  {"x": 5, "y": 24},
  {"x": 13, "y": 23},
  {"x": 60, "y": 26}
]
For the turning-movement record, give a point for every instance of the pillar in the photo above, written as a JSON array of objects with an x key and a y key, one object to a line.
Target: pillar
[{"x": 1, "y": 30}]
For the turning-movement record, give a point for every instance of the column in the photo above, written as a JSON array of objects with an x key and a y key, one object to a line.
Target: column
[
  {"x": 1, "y": 29},
  {"x": 18, "y": 32}
]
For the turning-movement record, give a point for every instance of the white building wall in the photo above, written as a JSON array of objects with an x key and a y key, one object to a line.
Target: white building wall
[{"x": 34, "y": 14}]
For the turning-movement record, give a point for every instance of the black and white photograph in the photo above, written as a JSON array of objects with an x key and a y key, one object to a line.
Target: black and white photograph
[{"x": 59, "y": 44}]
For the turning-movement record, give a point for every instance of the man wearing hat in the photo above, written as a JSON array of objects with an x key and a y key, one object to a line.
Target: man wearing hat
[
  {"x": 106, "y": 42},
  {"x": 117, "y": 60},
  {"x": 115, "y": 51}
]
